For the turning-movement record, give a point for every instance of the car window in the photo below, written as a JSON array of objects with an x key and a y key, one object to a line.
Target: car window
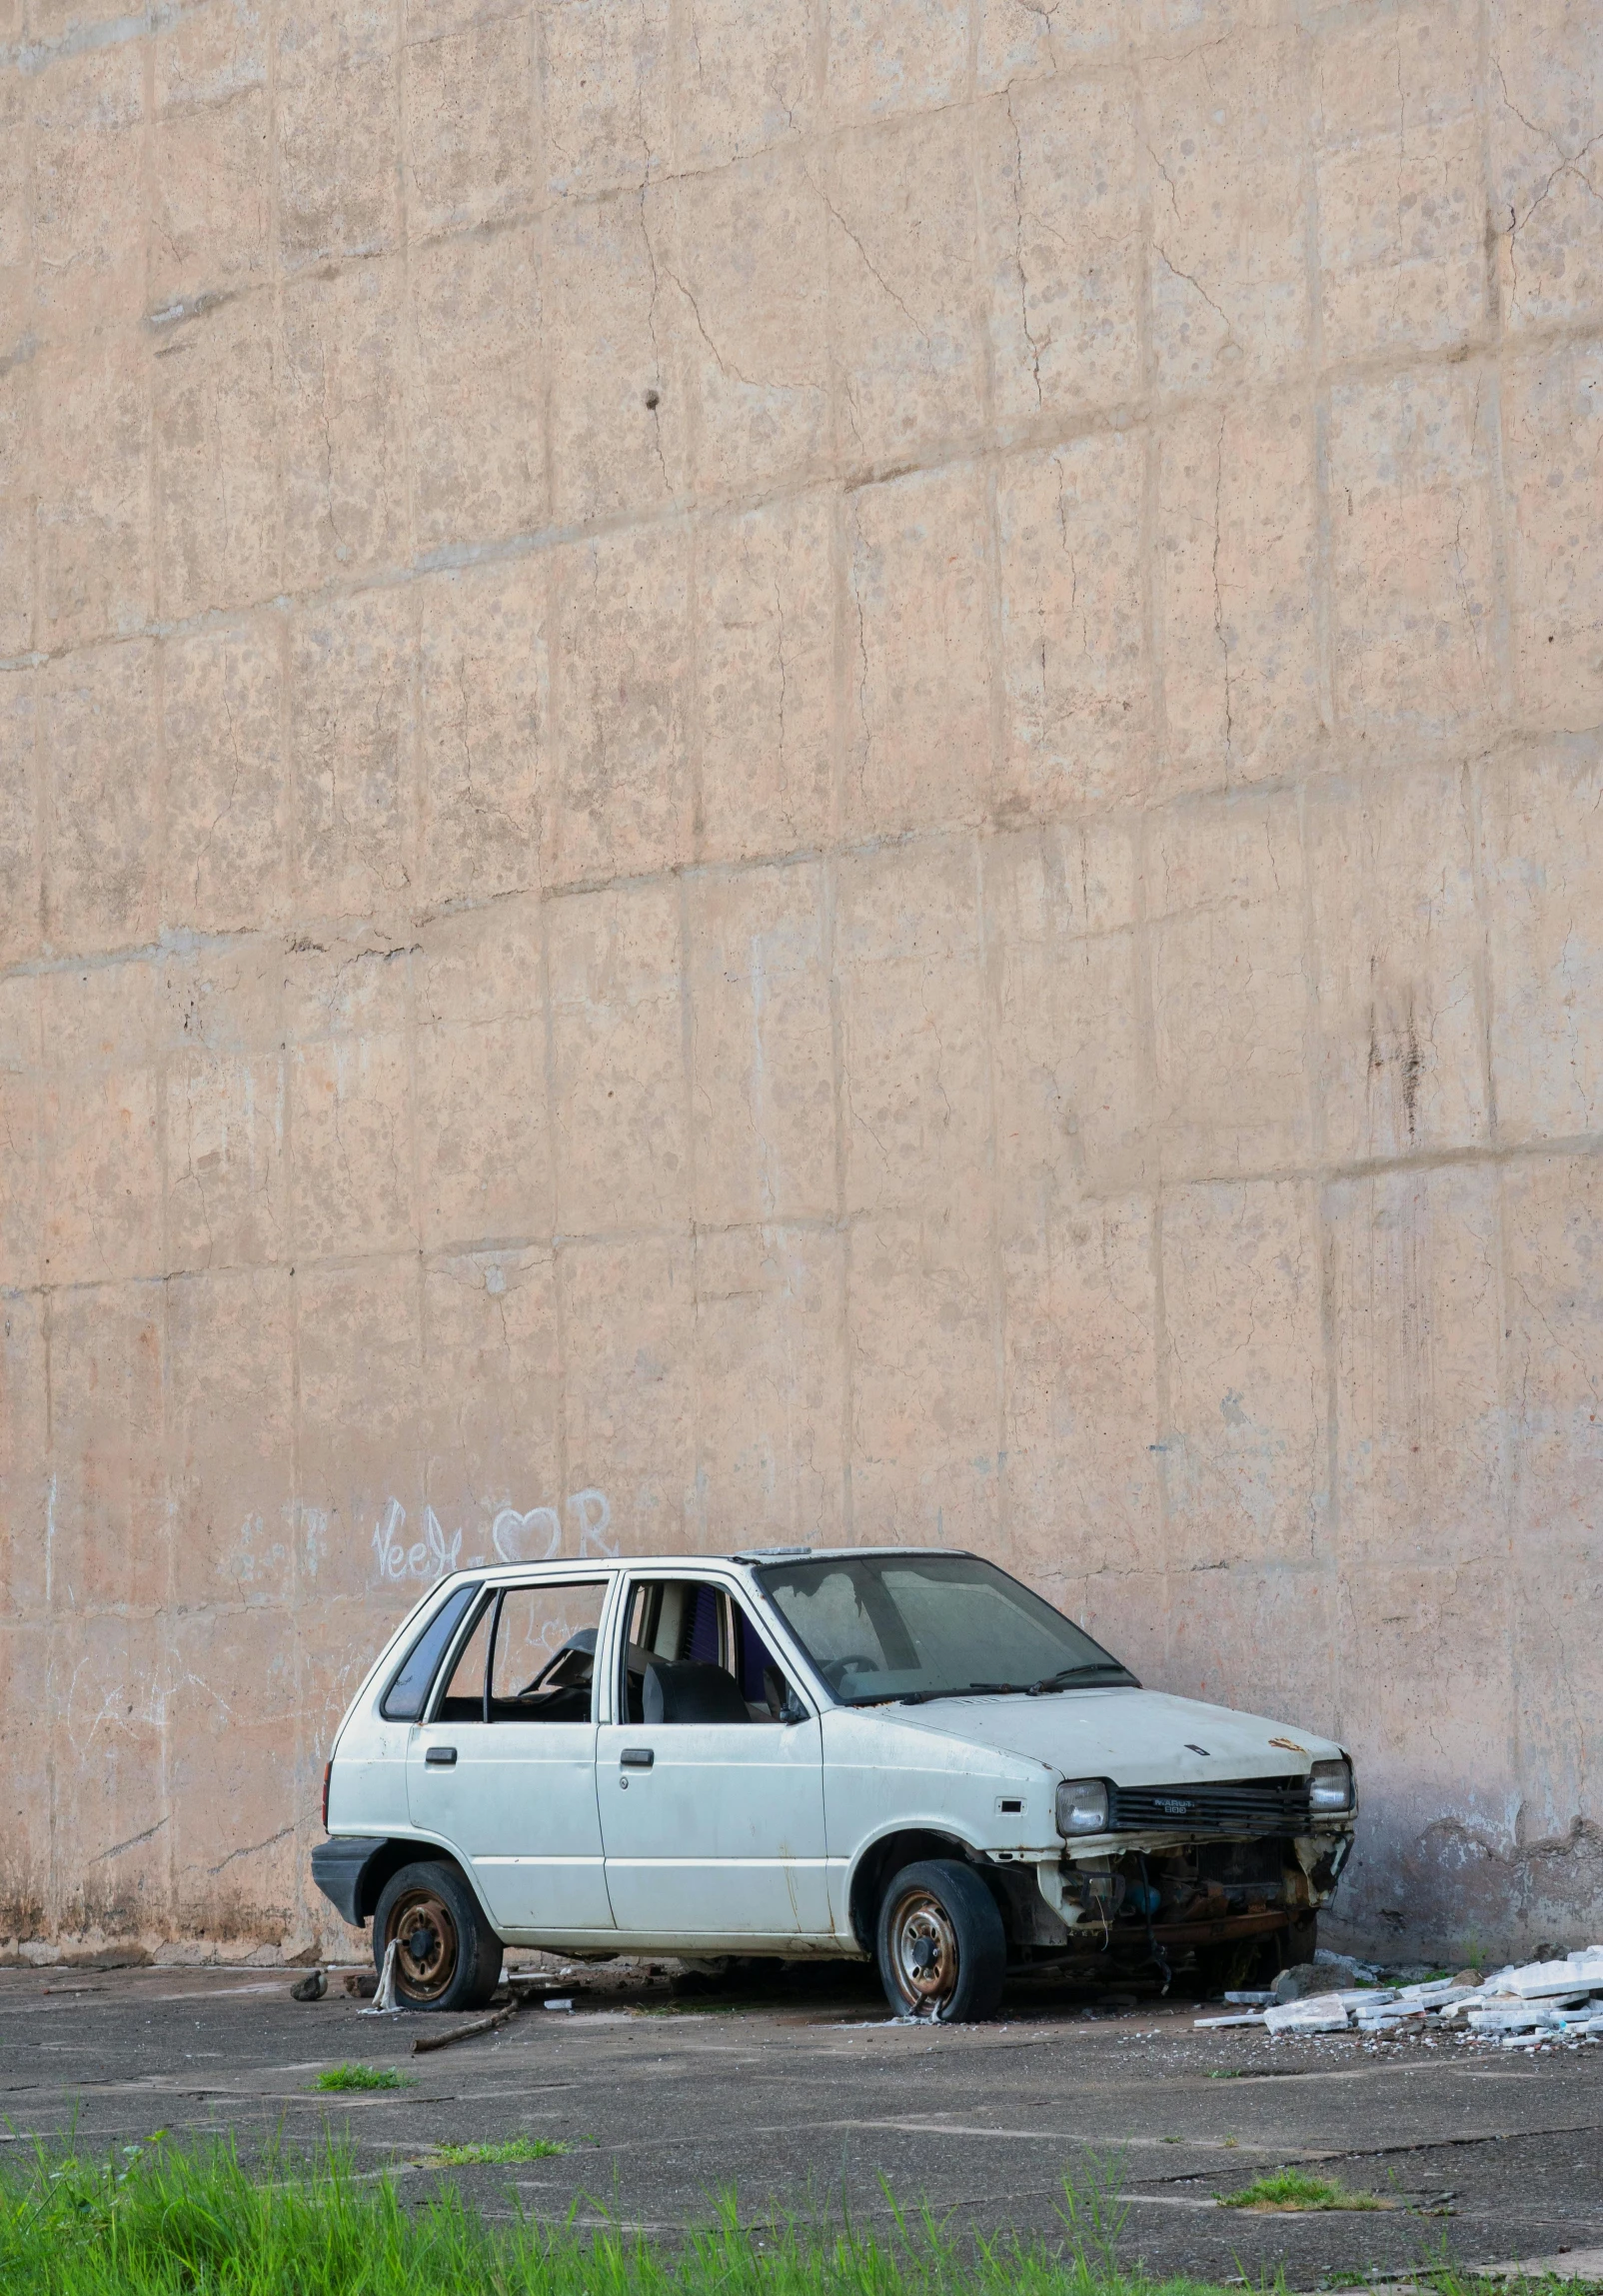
[
  {"x": 409, "y": 1687},
  {"x": 916, "y": 1626},
  {"x": 829, "y": 1612},
  {"x": 543, "y": 1656},
  {"x": 692, "y": 1655},
  {"x": 764, "y": 1683},
  {"x": 675, "y": 1618},
  {"x": 464, "y": 1699}
]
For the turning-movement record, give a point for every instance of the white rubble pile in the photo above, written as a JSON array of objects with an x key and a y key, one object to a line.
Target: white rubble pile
[
  {"x": 1314, "y": 2013},
  {"x": 1518, "y": 2007}
]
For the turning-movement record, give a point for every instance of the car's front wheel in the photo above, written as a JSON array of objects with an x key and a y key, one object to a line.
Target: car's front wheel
[
  {"x": 447, "y": 1955},
  {"x": 942, "y": 1951}
]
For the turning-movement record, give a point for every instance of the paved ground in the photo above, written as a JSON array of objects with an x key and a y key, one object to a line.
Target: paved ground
[{"x": 796, "y": 2099}]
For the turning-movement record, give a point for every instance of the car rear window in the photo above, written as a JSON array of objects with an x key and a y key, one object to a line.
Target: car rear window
[{"x": 409, "y": 1688}]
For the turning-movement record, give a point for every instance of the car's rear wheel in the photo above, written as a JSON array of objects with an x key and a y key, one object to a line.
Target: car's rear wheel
[
  {"x": 447, "y": 1955},
  {"x": 942, "y": 1951}
]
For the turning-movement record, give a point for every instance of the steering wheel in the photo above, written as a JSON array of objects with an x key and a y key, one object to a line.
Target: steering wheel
[
  {"x": 568, "y": 1651},
  {"x": 835, "y": 1672}
]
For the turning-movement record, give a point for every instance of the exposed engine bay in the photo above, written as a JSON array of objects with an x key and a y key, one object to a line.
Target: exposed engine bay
[{"x": 1157, "y": 1904}]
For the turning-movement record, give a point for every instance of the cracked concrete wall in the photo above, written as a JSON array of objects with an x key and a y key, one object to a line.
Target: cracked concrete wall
[{"x": 819, "y": 772}]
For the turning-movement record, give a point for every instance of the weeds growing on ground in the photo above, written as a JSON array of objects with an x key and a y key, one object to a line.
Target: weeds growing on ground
[
  {"x": 1294, "y": 2188},
  {"x": 364, "y": 2077},
  {"x": 165, "y": 2220},
  {"x": 168, "y": 2221},
  {"x": 504, "y": 2155}
]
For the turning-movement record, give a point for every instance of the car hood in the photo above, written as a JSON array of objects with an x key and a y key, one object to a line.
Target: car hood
[{"x": 1134, "y": 1737}]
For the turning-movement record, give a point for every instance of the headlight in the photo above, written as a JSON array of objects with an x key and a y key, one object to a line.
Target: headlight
[
  {"x": 1083, "y": 1806},
  {"x": 1331, "y": 1788}
]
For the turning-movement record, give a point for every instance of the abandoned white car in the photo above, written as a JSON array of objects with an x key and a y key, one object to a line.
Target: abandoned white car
[{"x": 896, "y": 1752}]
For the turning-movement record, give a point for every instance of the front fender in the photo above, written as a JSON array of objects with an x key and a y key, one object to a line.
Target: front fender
[
  {"x": 930, "y": 1824},
  {"x": 885, "y": 1852}
]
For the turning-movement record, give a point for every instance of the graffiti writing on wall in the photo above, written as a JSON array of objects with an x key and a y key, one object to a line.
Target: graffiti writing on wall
[{"x": 535, "y": 1536}]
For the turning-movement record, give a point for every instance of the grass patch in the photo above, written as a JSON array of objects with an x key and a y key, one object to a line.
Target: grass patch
[
  {"x": 504, "y": 2155},
  {"x": 170, "y": 2220},
  {"x": 694, "y": 2006},
  {"x": 364, "y": 2077},
  {"x": 1295, "y": 2189}
]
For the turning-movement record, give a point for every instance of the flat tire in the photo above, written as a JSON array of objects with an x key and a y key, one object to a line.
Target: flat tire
[
  {"x": 942, "y": 1948},
  {"x": 447, "y": 1955}
]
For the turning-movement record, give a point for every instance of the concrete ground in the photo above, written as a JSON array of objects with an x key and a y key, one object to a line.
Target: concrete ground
[{"x": 806, "y": 2094}]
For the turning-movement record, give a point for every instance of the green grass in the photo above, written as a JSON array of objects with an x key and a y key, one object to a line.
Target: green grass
[
  {"x": 515, "y": 2148},
  {"x": 364, "y": 2077},
  {"x": 1294, "y": 2188},
  {"x": 163, "y": 2220},
  {"x": 695, "y": 2006}
]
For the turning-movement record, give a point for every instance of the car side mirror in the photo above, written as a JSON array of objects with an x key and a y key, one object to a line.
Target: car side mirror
[{"x": 792, "y": 1709}]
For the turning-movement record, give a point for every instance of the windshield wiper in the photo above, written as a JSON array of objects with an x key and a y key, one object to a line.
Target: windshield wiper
[
  {"x": 957, "y": 1690},
  {"x": 1108, "y": 1669}
]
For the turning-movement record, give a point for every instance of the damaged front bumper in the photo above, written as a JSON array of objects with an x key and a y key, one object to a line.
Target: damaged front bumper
[{"x": 1177, "y": 1891}]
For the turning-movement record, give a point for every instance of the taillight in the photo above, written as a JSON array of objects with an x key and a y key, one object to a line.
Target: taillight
[{"x": 328, "y": 1773}]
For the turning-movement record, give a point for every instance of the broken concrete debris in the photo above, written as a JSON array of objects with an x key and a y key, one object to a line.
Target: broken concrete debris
[
  {"x": 1516, "y": 2007},
  {"x": 1543, "y": 1980},
  {"x": 1319, "y": 1975}
]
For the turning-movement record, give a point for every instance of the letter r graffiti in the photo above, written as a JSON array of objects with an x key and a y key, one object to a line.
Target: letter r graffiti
[{"x": 594, "y": 1518}]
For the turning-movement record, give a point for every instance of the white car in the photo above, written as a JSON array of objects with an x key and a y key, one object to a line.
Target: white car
[{"x": 889, "y": 1752}]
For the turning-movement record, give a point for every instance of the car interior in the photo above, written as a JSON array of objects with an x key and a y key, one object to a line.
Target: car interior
[
  {"x": 509, "y": 1671},
  {"x": 692, "y": 1655}
]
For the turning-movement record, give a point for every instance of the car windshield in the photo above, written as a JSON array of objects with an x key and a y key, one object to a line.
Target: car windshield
[{"x": 909, "y": 1627}]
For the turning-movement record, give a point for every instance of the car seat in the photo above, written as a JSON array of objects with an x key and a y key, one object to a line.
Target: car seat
[{"x": 690, "y": 1691}]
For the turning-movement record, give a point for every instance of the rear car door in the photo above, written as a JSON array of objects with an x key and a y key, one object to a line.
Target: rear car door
[
  {"x": 711, "y": 1804},
  {"x": 504, "y": 1770}
]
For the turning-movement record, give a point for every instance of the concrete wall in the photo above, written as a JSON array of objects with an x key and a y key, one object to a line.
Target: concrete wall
[{"x": 815, "y": 771}]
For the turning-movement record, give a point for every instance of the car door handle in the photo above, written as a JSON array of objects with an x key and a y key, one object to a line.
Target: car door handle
[
  {"x": 440, "y": 1758},
  {"x": 637, "y": 1757}
]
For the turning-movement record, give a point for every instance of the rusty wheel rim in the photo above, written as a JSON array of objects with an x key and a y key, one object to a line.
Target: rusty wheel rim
[
  {"x": 424, "y": 1934},
  {"x": 923, "y": 1953}
]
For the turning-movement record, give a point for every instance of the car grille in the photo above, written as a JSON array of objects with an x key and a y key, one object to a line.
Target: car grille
[{"x": 1245, "y": 1806}]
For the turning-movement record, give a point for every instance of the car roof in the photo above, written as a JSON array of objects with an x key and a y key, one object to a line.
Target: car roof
[
  {"x": 564, "y": 1566},
  {"x": 828, "y": 1553}
]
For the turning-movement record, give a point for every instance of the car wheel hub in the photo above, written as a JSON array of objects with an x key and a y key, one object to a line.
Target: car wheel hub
[
  {"x": 425, "y": 1945},
  {"x": 926, "y": 1953}
]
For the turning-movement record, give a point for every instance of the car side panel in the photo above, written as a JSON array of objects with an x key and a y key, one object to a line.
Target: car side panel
[
  {"x": 724, "y": 1830},
  {"x": 517, "y": 1804},
  {"x": 880, "y": 1777},
  {"x": 367, "y": 1787}
]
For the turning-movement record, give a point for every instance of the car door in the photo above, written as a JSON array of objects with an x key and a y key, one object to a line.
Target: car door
[
  {"x": 713, "y": 1808},
  {"x": 504, "y": 1770}
]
